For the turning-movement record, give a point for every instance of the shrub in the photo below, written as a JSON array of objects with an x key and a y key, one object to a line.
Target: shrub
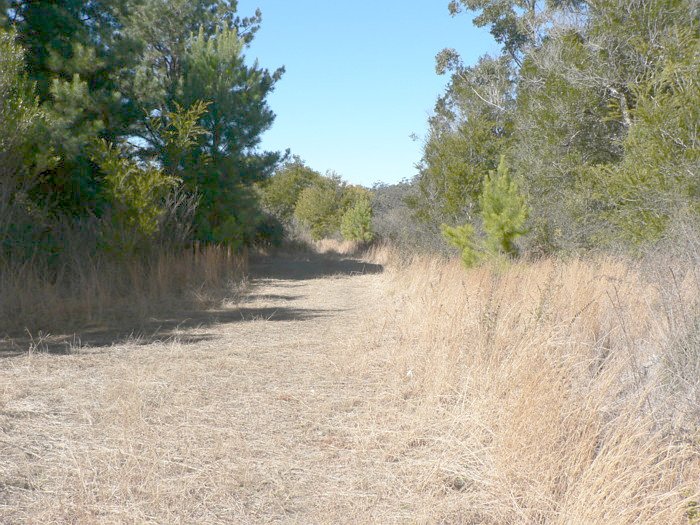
[
  {"x": 23, "y": 154},
  {"x": 318, "y": 206},
  {"x": 280, "y": 193},
  {"x": 465, "y": 240},
  {"x": 269, "y": 231},
  {"x": 136, "y": 195}
]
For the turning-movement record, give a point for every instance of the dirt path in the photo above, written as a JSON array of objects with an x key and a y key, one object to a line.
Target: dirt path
[{"x": 259, "y": 414}]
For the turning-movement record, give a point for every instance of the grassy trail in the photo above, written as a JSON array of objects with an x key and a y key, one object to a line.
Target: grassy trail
[
  {"x": 255, "y": 414},
  {"x": 556, "y": 392}
]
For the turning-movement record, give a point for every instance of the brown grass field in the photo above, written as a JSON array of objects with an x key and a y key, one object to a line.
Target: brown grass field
[{"x": 341, "y": 390}]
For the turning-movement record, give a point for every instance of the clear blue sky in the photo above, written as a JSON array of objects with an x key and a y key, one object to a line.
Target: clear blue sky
[{"x": 360, "y": 79}]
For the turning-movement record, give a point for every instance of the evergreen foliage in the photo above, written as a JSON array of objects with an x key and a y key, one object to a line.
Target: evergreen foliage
[
  {"x": 21, "y": 222},
  {"x": 136, "y": 195},
  {"x": 19, "y": 109},
  {"x": 503, "y": 211},
  {"x": 281, "y": 192},
  {"x": 356, "y": 223},
  {"x": 328, "y": 206},
  {"x": 659, "y": 176},
  {"x": 594, "y": 106},
  {"x": 145, "y": 117},
  {"x": 503, "y": 216},
  {"x": 214, "y": 70},
  {"x": 465, "y": 240},
  {"x": 470, "y": 129},
  {"x": 121, "y": 99},
  {"x": 319, "y": 205}
]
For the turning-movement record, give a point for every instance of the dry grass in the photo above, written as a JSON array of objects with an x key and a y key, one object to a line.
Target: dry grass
[
  {"x": 36, "y": 297},
  {"x": 547, "y": 392},
  {"x": 543, "y": 390},
  {"x": 253, "y": 422},
  {"x": 335, "y": 246}
]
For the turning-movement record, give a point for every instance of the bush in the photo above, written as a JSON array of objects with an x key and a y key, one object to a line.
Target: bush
[
  {"x": 19, "y": 108},
  {"x": 136, "y": 195},
  {"x": 464, "y": 239},
  {"x": 394, "y": 221},
  {"x": 280, "y": 193},
  {"x": 318, "y": 206},
  {"x": 269, "y": 231}
]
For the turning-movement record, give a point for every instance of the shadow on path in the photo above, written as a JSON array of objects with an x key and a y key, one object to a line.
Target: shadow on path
[
  {"x": 173, "y": 326},
  {"x": 152, "y": 330},
  {"x": 307, "y": 266}
]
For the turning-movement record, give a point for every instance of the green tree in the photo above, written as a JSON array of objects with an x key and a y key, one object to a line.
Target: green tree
[
  {"x": 515, "y": 24},
  {"x": 562, "y": 130},
  {"x": 136, "y": 195},
  {"x": 470, "y": 129},
  {"x": 503, "y": 217},
  {"x": 210, "y": 66},
  {"x": 19, "y": 110},
  {"x": 160, "y": 32},
  {"x": 356, "y": 222},
  {"x": 351, "y": 194},
  {"x": 75, "y": 55},
  {"x": 175, "y": 135},
  {"x": 21, "y": 222},
  {"x": 659, "y": 176},
  {"x": 319, "y": 207},
  {"x": 137, "y": 192},
  {"x": 111, "y": 70},
  {"x": 599, "y": 121},
  {"x": 281, "y": 192},
  {"x": 504, "y": 212}
]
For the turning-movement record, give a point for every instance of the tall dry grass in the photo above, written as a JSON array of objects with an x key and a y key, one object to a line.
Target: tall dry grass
[
  {"x": 80, "y": 289},
  {"x": 550, "y": 392},
  {"x": 340, "y": 247}
]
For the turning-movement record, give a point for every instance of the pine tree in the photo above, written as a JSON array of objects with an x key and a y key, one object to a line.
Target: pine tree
[
  {"x": 19, "y": 108},
  {"x": 504, "y": 212},
  {"x": 22, "y": 223},
  {"x": 75, "y": 55},
  {"x": 200, "y": 57},
  {"x": 135, "y": 194}
]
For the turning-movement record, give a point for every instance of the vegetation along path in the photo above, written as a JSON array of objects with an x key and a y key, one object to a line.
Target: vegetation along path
[{"x": 262, "y": 416}]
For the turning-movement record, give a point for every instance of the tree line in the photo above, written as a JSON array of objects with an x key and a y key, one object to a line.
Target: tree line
[
  {"x": 137, "y": 123},
  {"x": 592, "y": 111},
  {"x": 323, "y": 205}
]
